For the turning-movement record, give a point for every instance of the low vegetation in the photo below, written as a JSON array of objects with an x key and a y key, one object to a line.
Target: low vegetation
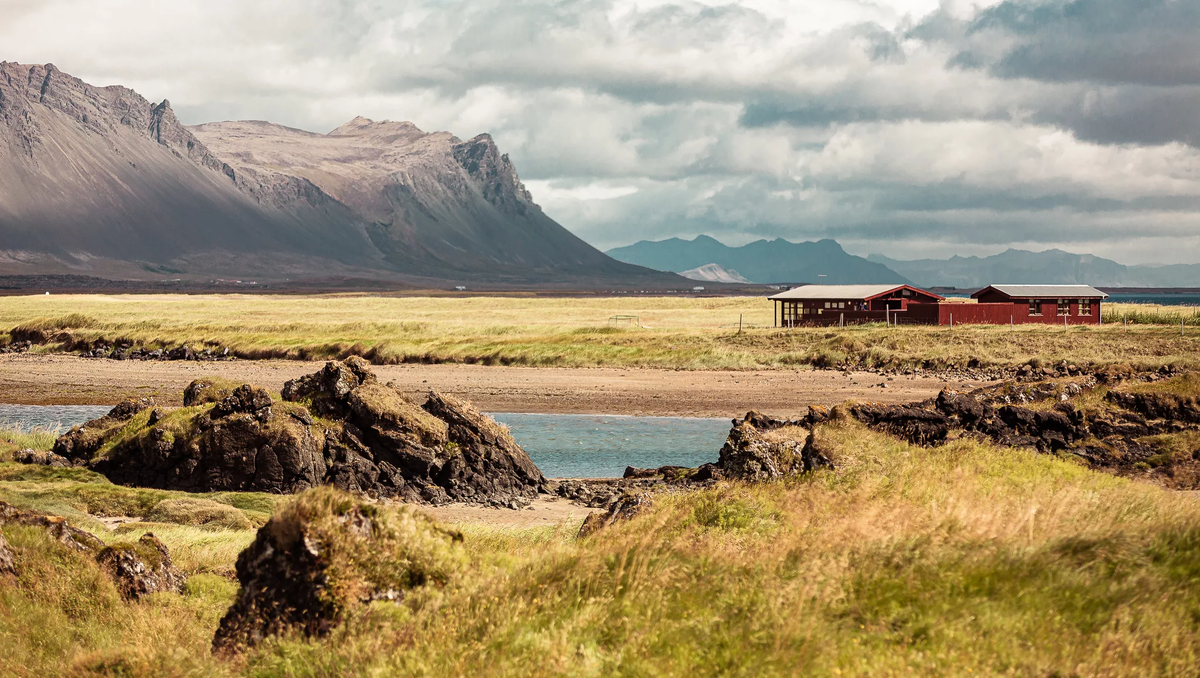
[
  {"x": 958, "y": 559},
  {"x": 13, "y": 438},
  {"x": 669, "y": 332}
]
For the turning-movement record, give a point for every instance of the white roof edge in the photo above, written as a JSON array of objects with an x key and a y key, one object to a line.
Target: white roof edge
[
  {"x": 1064, "y": 290},
  {"x": 837, "y": 291}
]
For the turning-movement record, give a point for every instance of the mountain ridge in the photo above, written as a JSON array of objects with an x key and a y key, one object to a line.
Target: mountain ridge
[
  {"x": 101, "y": 181},
  {"x": 1053, "y": 266},
  {"x": 761, "y": 261}
]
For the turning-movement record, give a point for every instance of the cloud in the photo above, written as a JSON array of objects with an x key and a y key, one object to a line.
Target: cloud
[{"x": 906, "y": 125}]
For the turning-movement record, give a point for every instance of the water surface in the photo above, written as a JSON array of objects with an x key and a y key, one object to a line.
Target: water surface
[
  {"x": 602, "y": 445},
  {"x": 562, "y": 445}
]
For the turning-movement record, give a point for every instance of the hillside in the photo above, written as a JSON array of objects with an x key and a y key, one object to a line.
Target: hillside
[
  {"x": 99, "y": 180},
  {"x": 1048, "y": 267},
  {"x": 762, "y": 261}
]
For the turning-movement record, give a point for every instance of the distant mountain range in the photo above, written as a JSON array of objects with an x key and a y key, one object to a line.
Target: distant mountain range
[
  {"x": 782, "y": 261},
  {"x": 763, "y": 261},
  {"x": 1048, "y": 267},
  {"x": 100, "y": 181}
]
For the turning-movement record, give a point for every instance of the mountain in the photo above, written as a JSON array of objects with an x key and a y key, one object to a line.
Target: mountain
[
  {"x": 99, "y": 180},
  {"x": 762, "y": 261},
  {"x": 714, "y": 273},
  {"x": 1048, "y": 267}
]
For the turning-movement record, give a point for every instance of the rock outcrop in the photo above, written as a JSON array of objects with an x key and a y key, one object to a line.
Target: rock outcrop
[
  {"x": 81, "y": 442},
  {"x": 55, "y": 526},
  {"x": 1142, "y": 429},
  {"x": 318, "y": 558},
  {"x": 624, "y": 507},
  {"x": 137, "y": 569},
  {"x": 762, "y": 448},
  {"x": 8, "y": 563},
  {"x": 366, "y": 437},
  {"x": 1000, "y": 413},
  {"x": 141, "y": 569},
  {"x": 41, "y": 458}
]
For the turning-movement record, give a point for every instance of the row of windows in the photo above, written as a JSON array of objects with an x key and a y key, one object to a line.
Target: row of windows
[{"x": 1064, "y": 307}]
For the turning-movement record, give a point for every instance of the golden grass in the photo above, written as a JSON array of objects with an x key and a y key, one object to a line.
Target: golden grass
[
  {"x": 14, "y": 438},
  {"x": 676, "y": 332},
  {"x": 963, "y": 559}
]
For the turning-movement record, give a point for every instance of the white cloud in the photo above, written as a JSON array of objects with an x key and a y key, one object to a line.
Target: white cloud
[{"x": 919, "y": 125}]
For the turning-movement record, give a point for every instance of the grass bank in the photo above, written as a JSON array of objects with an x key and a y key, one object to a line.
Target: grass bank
[
  {"x": 963, "y": 559},
  {"x": 670, "y": 332}
]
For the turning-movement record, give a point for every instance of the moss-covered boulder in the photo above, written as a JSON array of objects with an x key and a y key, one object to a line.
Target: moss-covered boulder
[
  {"x": 208, "y": 390},
  {"x": 138, "y": 569},
  {"x": 326, "y": 554},
  {"x": 81, "y": 443},
  {"x": 762, "y": 448},
  {"x": 337, "y": 426},
  {"x": 142, "y": 568},
  {"x": 626, "y": 506},
  {"x": 56, "y": 526},
  {"x": 483, "y": 461},
  {"x": 243, "y": 442}
]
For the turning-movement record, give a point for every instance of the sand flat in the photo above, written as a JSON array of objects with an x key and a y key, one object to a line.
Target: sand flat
[{"x": 66, "y": 379}]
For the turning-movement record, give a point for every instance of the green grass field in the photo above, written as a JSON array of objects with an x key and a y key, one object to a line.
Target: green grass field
[
  {"x": 959, "y": 560},
  {"x": 674, "y": 332}
]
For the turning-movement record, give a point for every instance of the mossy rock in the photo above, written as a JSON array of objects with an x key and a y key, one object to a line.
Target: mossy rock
[{"x": 325, "y": 555}]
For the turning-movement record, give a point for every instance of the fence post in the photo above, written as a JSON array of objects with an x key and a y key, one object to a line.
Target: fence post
[
  {"x": 1127, "y": 326},
  {"x": 951, "y": 321},
  {"x": 841, "y": 320},
  {"x": 1010, "y": 323},
  {"x": 739, "y": 323}
]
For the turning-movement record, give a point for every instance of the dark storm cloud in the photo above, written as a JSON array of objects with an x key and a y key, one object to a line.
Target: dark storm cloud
[{"x": 1144, "y": 42}]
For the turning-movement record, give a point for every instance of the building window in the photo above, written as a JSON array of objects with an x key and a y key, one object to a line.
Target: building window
[
  {"x": 1064, "y": 307},
  {"x": 1085, "y": 307},
  {"x": 841, "y": 304},
  {"x": 1035, "y": 307},
  {"x": 827, "y": 305}
]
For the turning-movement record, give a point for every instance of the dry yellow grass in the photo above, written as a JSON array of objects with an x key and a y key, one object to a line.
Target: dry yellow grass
[
  {"x": 959, "y": 560},
  {"x": 675, "y": 332}
]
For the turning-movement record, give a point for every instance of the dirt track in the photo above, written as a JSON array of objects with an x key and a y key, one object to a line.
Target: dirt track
[{"x": 61, "y": 379}]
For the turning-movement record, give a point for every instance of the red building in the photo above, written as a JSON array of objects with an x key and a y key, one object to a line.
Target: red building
[
  {"x": 838, "y": 304},
  {"x": 824, "y": 305},
  {"x": 1046, "y": 304}
]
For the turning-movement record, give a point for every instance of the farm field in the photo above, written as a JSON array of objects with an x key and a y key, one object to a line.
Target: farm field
[{"x": 668, "y": 332}]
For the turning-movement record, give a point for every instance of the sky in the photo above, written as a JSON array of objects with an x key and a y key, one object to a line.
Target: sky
[{"x": 913, "y": 128}]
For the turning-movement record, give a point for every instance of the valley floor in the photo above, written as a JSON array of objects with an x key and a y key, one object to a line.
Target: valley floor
[{"x": 41, "y": 379}]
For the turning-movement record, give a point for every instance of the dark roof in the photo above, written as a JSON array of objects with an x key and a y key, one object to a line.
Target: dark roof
[{"x": 1044, "y": 291}]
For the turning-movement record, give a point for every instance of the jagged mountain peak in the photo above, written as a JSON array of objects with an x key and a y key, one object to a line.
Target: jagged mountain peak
[{"x": 136, "y": 190}]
